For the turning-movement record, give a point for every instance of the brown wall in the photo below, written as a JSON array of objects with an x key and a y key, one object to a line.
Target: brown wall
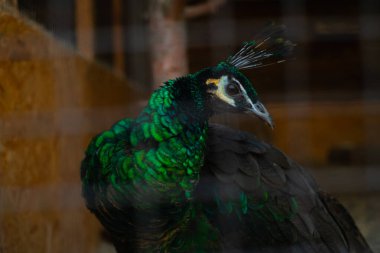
[
  {"x": 51, "y": 102},
  {"x": 309, "y": 132}
]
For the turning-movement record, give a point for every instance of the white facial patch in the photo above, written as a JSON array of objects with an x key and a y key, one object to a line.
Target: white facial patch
[
  {"x": 244, "y": 92},
  {"x": 221, "y": 91}
]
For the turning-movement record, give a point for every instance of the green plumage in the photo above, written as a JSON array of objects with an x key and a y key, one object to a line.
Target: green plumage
[
  {"x": 166, "y": 181},
  {"x": 150, "y": 163}
]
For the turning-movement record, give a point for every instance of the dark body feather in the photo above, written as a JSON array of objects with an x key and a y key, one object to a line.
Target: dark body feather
[{"x": 261, "y": 201}]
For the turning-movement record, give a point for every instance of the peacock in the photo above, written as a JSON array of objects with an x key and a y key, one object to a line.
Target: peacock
[{"x": 168, "y": 181}]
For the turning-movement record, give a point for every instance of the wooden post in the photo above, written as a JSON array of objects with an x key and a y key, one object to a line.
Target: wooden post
[
  {"x": 167, "y": 40},
  {"x": 118, "y": 59},
  {"x": 85, "y": 27},
  {"x": 168, "y": 35}
]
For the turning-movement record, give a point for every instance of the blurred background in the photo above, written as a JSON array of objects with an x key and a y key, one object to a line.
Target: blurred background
[{"x": 69, "y": 69}]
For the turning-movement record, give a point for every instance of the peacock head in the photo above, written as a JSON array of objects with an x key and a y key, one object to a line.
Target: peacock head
[{"x": 229, "y": 89}]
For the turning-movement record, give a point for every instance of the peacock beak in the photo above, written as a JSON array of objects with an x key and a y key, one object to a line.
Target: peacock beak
[{"x": 259, "y": 110}]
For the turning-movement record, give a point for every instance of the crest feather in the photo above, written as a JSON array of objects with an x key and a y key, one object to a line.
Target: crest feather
[{"x": 269, "y": 47}]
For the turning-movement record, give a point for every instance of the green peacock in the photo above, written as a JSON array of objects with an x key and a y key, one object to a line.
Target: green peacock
[{"x": 168, "y": 181}]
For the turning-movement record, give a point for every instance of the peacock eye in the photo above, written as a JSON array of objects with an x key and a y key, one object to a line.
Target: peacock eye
[{"x": 232, "y": 89}]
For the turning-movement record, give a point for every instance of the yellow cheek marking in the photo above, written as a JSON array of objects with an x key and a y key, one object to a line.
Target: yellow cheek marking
[{"x": 213, "y": 81}]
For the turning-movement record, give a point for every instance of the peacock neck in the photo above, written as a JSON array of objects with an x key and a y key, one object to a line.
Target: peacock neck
[{"x": 168, "y": 137}]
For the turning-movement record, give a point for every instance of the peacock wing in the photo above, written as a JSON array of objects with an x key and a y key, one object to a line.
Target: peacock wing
[{"x": 261, "y": 200}]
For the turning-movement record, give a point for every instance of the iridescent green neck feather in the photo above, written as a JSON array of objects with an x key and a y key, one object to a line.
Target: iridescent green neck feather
[
  {"x": 142, "y": 166},
  {"x": 168, "y": 138}
]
